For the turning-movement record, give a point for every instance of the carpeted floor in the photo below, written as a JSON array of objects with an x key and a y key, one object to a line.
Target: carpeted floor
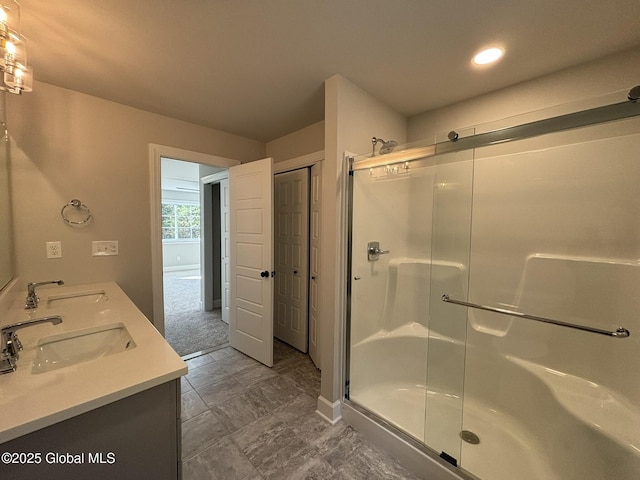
[{"x": 187, "y": 328}]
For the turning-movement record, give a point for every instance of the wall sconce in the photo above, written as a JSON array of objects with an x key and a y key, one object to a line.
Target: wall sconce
[{"x": 17, "y": 76}]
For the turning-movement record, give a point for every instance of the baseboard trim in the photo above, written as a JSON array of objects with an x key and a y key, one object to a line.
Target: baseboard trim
[{"x": 330, "y": 412}]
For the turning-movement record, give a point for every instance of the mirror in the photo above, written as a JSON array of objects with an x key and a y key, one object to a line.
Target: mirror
[{"x": 6, "y": 229}]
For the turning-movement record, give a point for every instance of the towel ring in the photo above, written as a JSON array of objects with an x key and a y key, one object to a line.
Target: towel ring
[{"x": 80, "y": 210}]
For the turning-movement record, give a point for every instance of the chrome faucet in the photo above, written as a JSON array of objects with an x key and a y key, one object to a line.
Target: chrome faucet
[
  {"x": 32, "y": 297},
  {"x": 10, "y": 344}
]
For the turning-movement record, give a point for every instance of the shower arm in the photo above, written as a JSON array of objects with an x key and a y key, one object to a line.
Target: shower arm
[{"x": 374, "y": 142}]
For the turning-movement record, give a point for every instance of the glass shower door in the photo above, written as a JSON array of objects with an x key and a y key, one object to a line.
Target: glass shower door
[
  {"x": 389, "y": 291},
  {"x": 449, "y": 275},
  {"x": 410, "y": 230}
]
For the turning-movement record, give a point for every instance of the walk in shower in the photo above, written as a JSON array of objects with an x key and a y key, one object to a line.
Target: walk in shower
[{"x": 494, "y": 305}]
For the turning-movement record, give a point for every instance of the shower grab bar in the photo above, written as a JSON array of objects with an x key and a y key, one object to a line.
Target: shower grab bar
[{"x": 618, "y": 333}]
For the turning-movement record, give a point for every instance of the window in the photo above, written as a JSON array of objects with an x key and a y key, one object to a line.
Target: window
[{"x": 180, "y": 221}]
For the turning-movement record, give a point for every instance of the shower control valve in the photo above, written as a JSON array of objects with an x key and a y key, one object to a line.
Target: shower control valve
[{"x": 374, "y": 252}]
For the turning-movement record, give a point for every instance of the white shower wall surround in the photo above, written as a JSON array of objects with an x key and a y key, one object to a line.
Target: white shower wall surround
[{"x": 549, "y": 226}]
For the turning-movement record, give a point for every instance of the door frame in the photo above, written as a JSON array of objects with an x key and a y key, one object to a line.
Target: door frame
[
  {"x": 156, "y": 152},
  {"x": 307, "y": 160},
  {"x": 207, "y": 252}
]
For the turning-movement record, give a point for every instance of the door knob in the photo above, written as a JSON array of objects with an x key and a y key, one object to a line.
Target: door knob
[
  {"x": 295, "y": 272},
  {"x": 265, "y": 274}
]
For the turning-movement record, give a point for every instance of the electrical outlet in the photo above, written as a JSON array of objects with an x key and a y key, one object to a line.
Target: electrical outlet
[
  {"x": 104, "y": 247},
  {"x": 54, "y": 249}
]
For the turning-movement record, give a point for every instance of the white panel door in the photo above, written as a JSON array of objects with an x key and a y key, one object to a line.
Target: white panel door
[
  {"x": 251, "y": 248},
  {"x": 292, "y": 257},
  {"x": 314, "y": 262},
  {"x": 225, "y": 244}
]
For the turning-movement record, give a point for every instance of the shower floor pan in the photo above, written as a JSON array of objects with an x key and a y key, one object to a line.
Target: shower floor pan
[
  {"x": 506, "y": 451},
  {"x": 532, "y": 422}
]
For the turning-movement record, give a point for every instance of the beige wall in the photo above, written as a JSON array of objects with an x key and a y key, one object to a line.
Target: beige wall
[
  {"x": 302, "y": 142},
  {"x": 352, "y": 117},
  {"x": 69, "y": 145},
  {"x": 610, "y": 74}
]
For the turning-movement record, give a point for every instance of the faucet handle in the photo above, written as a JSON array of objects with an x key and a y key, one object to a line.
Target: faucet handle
[
  {"x": 10, "y": 344},
  {"x": 32, "y": 297},
  {"x": 14, "y": 345},
  {"x": 31, "y": 301},
  {"x": 16, "y": 342},
  {"x": 7, "y": 363}
]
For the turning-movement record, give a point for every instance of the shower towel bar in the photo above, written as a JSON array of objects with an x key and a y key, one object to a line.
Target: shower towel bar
[{"x": 618, "y": 333}]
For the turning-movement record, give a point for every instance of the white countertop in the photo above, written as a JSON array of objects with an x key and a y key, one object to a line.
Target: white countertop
[{"x": 30, "y": 401}]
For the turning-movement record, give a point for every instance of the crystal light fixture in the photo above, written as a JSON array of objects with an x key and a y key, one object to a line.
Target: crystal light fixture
[{"x": 17, "y": 76}]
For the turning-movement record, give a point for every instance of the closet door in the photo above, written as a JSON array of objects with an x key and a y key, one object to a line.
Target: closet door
[
  {"x": 314, "y": 262},
  {"x": 225, "y": 241},
  {"x": 292, "y": 257}
]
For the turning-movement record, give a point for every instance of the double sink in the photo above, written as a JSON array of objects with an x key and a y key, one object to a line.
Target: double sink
[{"x": 79, "y": 346}]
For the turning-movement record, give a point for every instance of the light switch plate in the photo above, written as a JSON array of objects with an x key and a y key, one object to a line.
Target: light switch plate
[{"x": 104, "y": 248}]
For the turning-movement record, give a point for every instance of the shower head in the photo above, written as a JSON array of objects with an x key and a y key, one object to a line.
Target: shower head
[{"x": 387, "y": 147}]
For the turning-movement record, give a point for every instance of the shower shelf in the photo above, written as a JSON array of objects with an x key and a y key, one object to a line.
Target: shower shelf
[{"x": 618, "y": 333}]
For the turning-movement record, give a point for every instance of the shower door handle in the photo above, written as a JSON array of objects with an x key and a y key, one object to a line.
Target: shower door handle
[{"x": 374, "y": 252}]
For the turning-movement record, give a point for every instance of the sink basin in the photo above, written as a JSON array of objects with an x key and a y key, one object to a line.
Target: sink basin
[
  {"x": 77, "y": 298},
  {"x": 71, "y": 348}
]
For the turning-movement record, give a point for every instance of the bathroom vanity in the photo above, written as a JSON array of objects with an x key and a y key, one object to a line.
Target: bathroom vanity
[{"x": 96, "y": 396}]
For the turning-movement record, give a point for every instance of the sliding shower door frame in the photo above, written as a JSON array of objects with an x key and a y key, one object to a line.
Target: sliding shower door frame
[
  {"x": 570, "y": 121},
  {"x": 349, "y": 270}
]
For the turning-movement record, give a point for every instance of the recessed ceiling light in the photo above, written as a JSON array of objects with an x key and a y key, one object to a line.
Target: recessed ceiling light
[{"x": 487, "y": 56}]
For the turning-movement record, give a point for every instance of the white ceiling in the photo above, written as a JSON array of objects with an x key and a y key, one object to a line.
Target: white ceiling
[
  {"x": 256, "y": 67},
  {"x": 180, "y": 176}
]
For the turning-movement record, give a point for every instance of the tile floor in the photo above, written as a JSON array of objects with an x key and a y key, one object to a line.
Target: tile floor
[{"x": 242, "y": 420}]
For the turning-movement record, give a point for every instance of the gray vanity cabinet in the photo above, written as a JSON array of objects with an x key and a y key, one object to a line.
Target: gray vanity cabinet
[{"x": 137, "y": 437}]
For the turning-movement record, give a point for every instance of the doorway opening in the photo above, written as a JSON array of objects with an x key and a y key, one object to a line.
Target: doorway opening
[
  {"x": 190, "y": 220},
  {"x": 241, "y": 172},
  {"x": 297, "y": 256}
]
